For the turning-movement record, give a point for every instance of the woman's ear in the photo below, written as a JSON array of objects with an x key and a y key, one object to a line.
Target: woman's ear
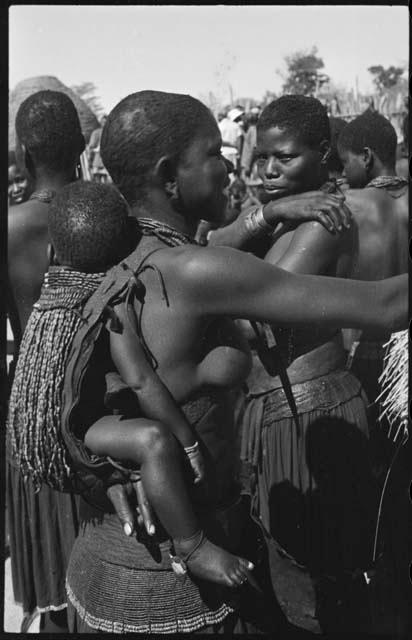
[
  {"x": 368, "y": 159},
  {"x": 165, "y": 176},
  {"x": 325, "y": 151}
]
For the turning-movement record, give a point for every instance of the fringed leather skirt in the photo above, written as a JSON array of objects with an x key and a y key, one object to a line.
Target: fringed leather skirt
[{"x": 315, "y": 494}]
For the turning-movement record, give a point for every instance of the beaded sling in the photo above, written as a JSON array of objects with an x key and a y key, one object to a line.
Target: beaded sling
[
  {"x": 121, "y": 283},
  {"x": 33, "y": 428},
  {"x": 70, "y": 308},
  {"x": 56, "y": 349}
]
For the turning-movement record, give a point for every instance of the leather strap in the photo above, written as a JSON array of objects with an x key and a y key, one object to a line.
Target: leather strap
[{"x": 271, "y": 358}]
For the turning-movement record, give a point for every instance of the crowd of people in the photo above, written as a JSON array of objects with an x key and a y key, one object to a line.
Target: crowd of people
[{"x": 199, "y": 336}]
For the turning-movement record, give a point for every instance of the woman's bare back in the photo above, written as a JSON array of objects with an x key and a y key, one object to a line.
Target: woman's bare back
[{"x": 27, "y": 254}]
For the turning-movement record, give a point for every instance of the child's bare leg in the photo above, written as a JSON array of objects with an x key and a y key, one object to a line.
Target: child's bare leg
[{"x": 154, "y": 448}]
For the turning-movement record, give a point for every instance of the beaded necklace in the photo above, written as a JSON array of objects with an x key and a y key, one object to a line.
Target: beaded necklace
[
  {"x": 43, "y": 195},
  {"x": 165, "y": 233},
  {"x": 389, "y": 183}
]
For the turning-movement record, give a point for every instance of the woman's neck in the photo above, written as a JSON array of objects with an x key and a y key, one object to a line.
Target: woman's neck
[
  {"x": 54, "y": 182},
  {"x": 159, "y": 208},
  {"x": 382, "y": 170}
]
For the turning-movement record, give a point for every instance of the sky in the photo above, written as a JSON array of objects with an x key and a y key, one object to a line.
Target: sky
[{"x": 197, "y": 49}]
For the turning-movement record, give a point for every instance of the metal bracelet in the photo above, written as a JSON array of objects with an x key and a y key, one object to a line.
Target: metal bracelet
[
  {"x": 256, "y": 224},
  {"x": 194, "y": 447},
  {"x": 261, "y": 220},
  {"x": 252, "y": 226}
]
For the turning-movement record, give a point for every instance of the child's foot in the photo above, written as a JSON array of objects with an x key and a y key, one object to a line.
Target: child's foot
[{"x": 209, "y": 562}]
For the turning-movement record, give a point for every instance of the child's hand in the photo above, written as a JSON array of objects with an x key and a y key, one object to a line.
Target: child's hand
[{"x": 196, "y": 462}]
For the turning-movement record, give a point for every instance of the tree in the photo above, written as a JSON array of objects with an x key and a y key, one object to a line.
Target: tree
[
  {"x": 87, "y": 92},
  {"x": 303, "y": 73},
  {"x": 385, "y": 78}
]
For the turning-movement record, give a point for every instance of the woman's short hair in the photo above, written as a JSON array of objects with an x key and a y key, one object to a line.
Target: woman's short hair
[
  {"x": 141, "y": 129},
  {"x": 302, "y": 116},
  {"x": 373, "y": 130},
  {"x": 48, "y": 125}
]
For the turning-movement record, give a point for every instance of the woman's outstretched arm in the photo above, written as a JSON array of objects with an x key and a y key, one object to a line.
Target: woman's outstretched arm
[{"x": 223, "y": 281}]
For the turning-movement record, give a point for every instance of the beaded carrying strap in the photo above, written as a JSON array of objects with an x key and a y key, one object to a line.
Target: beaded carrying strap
[{"x": 389, "y": 183}]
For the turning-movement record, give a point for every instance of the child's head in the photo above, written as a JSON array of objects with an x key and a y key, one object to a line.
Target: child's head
[
  {"x": 48, "y": 132},
  {"x": 293, "y": 143},
  {"x": 89, "y": 227},
  {"x": 367, "y": 146}
]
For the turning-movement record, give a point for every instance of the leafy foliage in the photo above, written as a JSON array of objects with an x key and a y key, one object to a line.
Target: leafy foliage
[
  {"x": 303, "y": 72},
  {"x": 385, "y": 78}
]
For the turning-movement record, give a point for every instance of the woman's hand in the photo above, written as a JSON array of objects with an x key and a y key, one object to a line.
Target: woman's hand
[{"x": 328, "y": 209}]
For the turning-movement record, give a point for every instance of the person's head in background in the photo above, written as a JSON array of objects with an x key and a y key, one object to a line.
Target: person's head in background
[
  {"x": 367, "y": 149},
  {"x": 293, "y": 146},
  {"x": 335, "y": 165},
  {"x": 90, "y": 228},
  {"x": 402, "y": 156},
  {"x": 253, "y": 116},
  {"x": 18, "y": 186},
  {"x": 236, "y": 115},
  {"x": 237, "y": 194},
  {"x": 49, "y": 139}
]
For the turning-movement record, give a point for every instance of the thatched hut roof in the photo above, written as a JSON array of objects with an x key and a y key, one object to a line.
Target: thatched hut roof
[{"x": 27, "y": 87}]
